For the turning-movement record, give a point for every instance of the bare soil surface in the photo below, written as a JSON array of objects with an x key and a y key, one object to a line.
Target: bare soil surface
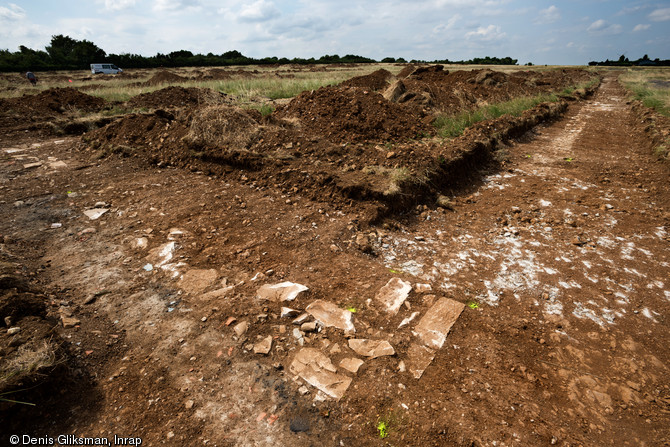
[{"x": 532, "y": 309}]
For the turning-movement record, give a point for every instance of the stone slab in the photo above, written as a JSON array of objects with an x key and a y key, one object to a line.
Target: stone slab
[
  {"x": 315, "y": 368},
  {"x": 371, "y": 348},
  {"x": 351, "y": 364},
  {"x": 284, "y": 291},
  {"x": 419, "y": 358},
  {"x": 393, "y": 294},
  {"x": 95, "y": 213},
  {"x": 434, "y": 326},
  {"x": 329, "y": 314}
]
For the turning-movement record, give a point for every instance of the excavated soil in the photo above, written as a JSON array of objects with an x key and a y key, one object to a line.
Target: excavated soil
[
  {"x": 375, "y": 81},
  {"x": 530, "y": 306},
  {"x": 50, "y": 103},
  {"x": 171, "y": 97},
  {"x": 346, "y": 115},
  {"x": 337, "y": 143}
]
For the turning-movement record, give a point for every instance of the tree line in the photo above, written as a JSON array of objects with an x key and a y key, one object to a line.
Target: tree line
[
  {"x": 625, "y": 62},
  {"x": 66, "y": 53}
]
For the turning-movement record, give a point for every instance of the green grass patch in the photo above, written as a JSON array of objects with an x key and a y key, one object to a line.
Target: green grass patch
[
  {"x": 651, "y": 87},
  {"x": 450, "y": 126}
]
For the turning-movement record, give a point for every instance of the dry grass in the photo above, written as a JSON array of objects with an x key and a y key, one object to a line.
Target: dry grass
[
  {"x": 222, "y": 127},
  {"x": 28, "y": 361}
]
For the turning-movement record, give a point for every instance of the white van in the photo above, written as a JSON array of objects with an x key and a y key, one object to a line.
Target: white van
[{"x": 105, "y": 69}]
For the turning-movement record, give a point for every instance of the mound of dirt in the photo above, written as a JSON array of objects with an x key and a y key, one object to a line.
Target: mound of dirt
[
  {"x": 171, "y": 97},
  {"x": 344, "y": 114},
  {"x": 408, "y": 70},
  {"x": 222, "y": 128},
  {"x": 375, "y": 81},
  {"x": 52, "y": 102},
  {"x": 432, "y": 73},
  {"x": 489, "y": 78},
  {"x": 133, "y": 132},
  {"x": 164, "y": 77}
]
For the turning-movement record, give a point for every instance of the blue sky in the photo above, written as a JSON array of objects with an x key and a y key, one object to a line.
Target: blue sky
[{"x": 542, "y": 32}]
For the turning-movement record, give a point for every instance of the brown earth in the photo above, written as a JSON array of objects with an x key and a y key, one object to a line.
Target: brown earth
[
  {"x": 552, "y": 263},
  {"x": 171, "y": 97},
  {"x": 164, "y": 77},
  {"x": 337, "y": 143}
]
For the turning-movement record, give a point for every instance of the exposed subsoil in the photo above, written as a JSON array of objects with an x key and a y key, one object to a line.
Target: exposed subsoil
[{"x": 536, "y": 313}]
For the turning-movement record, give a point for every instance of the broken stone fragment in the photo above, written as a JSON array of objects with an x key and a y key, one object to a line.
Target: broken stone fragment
[
  {"x": 163, "y": 254},
  {"x": 393, "y": 294},
  {"x": 330, "y": 315},
  {"x": 284, "y": 291},
  {"x": 59, "y": 164},
  {"x": 264, "y": 346},
  {"x": 287, "y": 312},
  {"x": 419, "y": 357},
  {"x": 95, "y": 213},
  {"x": 422, "y": 288},
  {"x": 141, "y": 243},
  {"x": 302, "y": 318},
  {"x": 315, "y": 368},
  {"x": 69, "y": 322},
  {"x": 434, "y": 326},
  {"x": 351, "y": 364},
  {"x": 241, "y": 328},
  {"x": 408, "y": 320},
  {"x": 309, "y": 327},
  {"x": 371, "y": 348}
]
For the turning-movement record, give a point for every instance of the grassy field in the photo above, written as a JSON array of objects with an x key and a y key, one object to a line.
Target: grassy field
[
  {"x": 450, "y": 126},
  {"x": 651, "y": 86},
  {"x": 263, "y": 86}
]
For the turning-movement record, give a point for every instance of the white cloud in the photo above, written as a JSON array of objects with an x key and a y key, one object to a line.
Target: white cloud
[
  {"x": 175, "y": 5},
  {"x": 491, "y": 32},
  {"x": 442, "y": 27},
  {"x": 13, "y": 13},
  {"x": 598, "y": 25},
  {"x": 641, "y": 27},
  {"x": 604, "y": 27},
  {"x": 549, "y": 15},
  {"x": 259, "y": 11},
  {"x": 660, "y": 15},
  {"x": 118, "y": 5}
]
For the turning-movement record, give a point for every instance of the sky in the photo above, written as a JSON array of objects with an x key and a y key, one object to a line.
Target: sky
[{"x": 569, "y": 32}]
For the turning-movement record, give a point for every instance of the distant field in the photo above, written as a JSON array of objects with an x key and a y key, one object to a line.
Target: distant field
[{"x": 249, "y": 84}]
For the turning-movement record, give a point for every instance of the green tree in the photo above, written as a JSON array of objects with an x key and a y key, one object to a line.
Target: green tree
[{"x": 66, "y": 52}]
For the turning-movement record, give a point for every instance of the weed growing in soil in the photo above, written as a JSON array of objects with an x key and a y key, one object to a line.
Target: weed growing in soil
[{"x": 382, "y": 428}]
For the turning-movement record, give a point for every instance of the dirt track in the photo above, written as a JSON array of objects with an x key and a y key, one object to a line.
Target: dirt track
[{"x": 561, "y": 259}]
